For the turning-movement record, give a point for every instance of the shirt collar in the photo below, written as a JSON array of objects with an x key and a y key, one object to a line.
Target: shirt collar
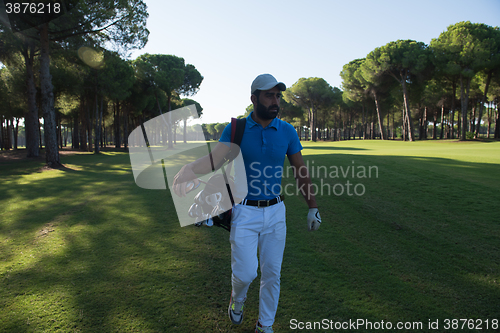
[{"x": 275, "y": 123}]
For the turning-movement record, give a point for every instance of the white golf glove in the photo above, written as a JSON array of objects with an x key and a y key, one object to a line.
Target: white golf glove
[{"x": 313, "y": 219}]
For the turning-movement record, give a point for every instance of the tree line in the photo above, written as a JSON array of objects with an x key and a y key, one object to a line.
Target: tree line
[
  {"x": 404, "y": 88},
  {"x": 68, "y": 68},
  {"x": 63, "y": 69},
  {"x": 449, "y": 80}
]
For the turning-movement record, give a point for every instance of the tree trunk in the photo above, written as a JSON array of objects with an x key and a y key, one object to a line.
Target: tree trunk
[
  {"x": 75, "y": 139},
  {"x": 174, "y": 132},
  {"x": 497, "y": 126},
  {"x": 442, "y": 121},
  {"x": 1, "y": 133},
  {"x": 89, "y": 126},
  {"x": 393, "y": 126},
  {"x": 101, "y": 110},
  {"x": 381, "y": 127},
  {"x": 481, "y": 105},
  {"x": 464, "y": 99},
  {"x": 363, "y": 121},
  {"x": 372, "y": 129},
  {"x": 185, "y": 131},
  {"x": 404, "y": 125},
  {"x": 312, "y": 122},
  {"x": 490, "y": 110},
  {"x": 40, "y": 134},
  {"x": 406, "y": 98},
  {"x": 452, "y": 113},
  {"x": 425, "y": 122},
  {"x": 103, "y": 127},
  {"x": 16, "y": 132},
  {"x": 349, "y": 126},
  {"x": 49, "y": 117},
  {"x": 388, "y": 124},
  {"x": 83, "y": 126},
  {"x": 125, "y": 127},
  {"x": 8, "y": 134},
  {"x": 66, "y": 133},
  {"x": 472, "y": 118},
  {"x": 169, "y": 122},
  {"x": 421, "y": 125},
  {"x": 434, "y": 129},
  {"x": 59, "y": 130},
  {"x": 32, "y": 128},
  {"x": 97, "y": 139},
  {"x": 118, "y": 143}
]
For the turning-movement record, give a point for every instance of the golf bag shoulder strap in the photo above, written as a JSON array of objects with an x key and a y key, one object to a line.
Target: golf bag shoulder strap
[
  {"x": 223, "y": 219},
  {"x": 237, "y": 129}
]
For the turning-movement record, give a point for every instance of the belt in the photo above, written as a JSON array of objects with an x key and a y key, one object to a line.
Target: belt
[{"x": 262, "y": 203}]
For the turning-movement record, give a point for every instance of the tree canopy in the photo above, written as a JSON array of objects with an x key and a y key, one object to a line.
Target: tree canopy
[
  {"x": 399, "y": 88},
  {"x": 119, "y": 23}
]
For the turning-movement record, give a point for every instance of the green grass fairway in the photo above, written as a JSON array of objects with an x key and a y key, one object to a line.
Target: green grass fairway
[{"x": 411, "y": 238}]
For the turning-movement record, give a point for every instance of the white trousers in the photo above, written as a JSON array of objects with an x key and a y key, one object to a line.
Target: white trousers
[{"x": 264, "y": 229}]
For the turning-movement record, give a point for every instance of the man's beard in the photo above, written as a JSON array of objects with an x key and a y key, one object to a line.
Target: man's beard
[{"x": 266, "y": 113}]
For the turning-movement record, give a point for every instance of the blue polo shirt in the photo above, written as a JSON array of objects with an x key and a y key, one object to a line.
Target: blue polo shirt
[{"x": 263, "y": 151}]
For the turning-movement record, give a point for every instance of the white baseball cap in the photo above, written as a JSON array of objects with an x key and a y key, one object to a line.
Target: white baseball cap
[{"x": 266, "y": 82}]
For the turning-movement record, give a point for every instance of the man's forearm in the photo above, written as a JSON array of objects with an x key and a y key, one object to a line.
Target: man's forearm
[
  {"x": 305, "y": 186},
  {"x": 207, "y": 163},
  {"x": 202, "y": 166},
  {"x": 303, "y": 179}
]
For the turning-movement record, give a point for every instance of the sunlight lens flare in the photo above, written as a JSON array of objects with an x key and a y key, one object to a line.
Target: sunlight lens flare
[{"x": 91, "y": 57}]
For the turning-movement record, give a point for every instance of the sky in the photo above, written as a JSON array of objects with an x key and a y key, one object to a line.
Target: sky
[{"x": 231, "y": 42}]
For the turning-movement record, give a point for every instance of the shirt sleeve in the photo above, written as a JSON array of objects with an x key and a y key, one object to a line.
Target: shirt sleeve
[
  {"x": 226, "y": 135},
  {"x": 294, "y": 145}
]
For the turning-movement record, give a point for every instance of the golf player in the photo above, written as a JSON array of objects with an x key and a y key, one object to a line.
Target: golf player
[{"x": 258, "y": 222}]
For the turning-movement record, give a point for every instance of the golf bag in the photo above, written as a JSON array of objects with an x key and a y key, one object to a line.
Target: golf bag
[{"x": 209, "y": 204}]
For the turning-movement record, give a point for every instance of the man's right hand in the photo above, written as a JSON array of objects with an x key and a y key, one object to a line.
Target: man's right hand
[
  {"x": 181, "y": 180},
  {"x": 201, "y": 166}
]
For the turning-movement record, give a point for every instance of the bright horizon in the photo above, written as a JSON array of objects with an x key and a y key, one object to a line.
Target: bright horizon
[{"x": 230, "y": 42}]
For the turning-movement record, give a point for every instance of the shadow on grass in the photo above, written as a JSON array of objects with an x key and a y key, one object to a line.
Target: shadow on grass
[
  {"x": 115, "y": 258},
  {"x": 421, "y": 243}
]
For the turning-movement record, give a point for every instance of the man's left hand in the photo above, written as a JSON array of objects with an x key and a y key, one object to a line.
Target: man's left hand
[{"x": 313, "y": 219}]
